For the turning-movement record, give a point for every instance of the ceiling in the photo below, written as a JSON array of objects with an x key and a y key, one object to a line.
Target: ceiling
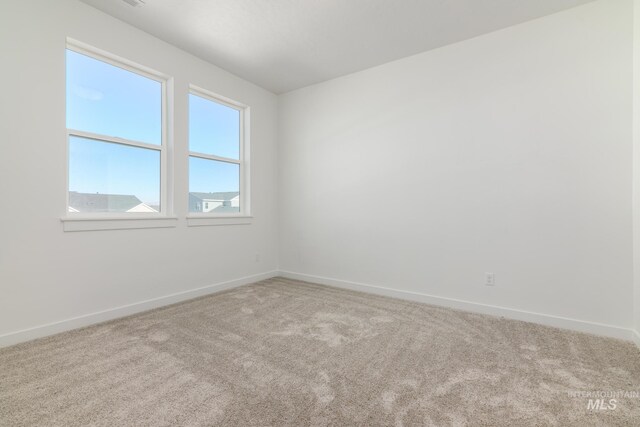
[{"x": 284, "y": 45}]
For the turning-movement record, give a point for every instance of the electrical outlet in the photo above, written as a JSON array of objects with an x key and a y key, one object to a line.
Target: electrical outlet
[
  {"x": 490, "y": 279},
  {"x": 257, "y": 257}
]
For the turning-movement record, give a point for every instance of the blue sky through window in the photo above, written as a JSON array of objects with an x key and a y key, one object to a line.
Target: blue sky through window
[
  {"x": 112, "y": 101},
  {"x": 210, "y": 176},
  {"x": 108, "y": 168},
  {"x": 213, "y": 128}
]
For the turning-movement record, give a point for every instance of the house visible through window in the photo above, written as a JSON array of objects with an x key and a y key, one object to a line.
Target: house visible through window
[
  {"x": 216, "y": 155},
  {"x": 116, "y": 141}
]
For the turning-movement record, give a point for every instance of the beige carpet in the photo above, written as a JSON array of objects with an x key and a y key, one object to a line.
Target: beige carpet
[{"x": 285, "y": 353}]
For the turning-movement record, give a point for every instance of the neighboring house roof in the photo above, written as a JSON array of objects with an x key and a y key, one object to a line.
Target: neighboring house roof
[
  {"x": 224, "y": 208},
  {"x": 96, "y": 202},
  {"x": 225, "y": 195}
]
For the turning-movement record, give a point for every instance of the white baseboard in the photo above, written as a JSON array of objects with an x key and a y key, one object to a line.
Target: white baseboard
[
  {"x": 527, "y": 316},
  {"x": 636, "y": 338},
  {"x": 125, "y": 310}
]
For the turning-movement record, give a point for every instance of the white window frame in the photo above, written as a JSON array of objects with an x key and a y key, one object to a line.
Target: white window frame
[
  {"x": 81, "y": 221},
  {"x": 206, "y": 218}
]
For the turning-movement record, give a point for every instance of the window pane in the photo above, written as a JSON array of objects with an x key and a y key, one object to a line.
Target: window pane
[
  {"x": 107, "y": 177},
  {"x": 111, "y": 101},
  {"x": 213, "y": 186},
  {"x": 213, "y": 128}
]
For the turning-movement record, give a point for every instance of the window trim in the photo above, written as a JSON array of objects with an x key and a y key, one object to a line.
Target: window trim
[
  {"x": 118, "y": 223},
  {"x": 197, "y": 218},
  {"x": 165, "y": 148}
]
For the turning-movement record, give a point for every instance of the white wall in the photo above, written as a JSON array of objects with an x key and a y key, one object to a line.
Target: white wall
[
  {"x": 47, "y": 275},
  {"x": 508, "y": 153},
  {"x": 636, "y": 168}
]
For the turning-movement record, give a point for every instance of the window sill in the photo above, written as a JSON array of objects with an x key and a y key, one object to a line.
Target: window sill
[
  {"x": 203, "y": 221},
  {"x": 120, "y": 223}
]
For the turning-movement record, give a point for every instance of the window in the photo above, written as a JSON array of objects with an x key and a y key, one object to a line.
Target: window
[
  {"x": 116, "y": 137},
  {"x": 217, "y": 165}
]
